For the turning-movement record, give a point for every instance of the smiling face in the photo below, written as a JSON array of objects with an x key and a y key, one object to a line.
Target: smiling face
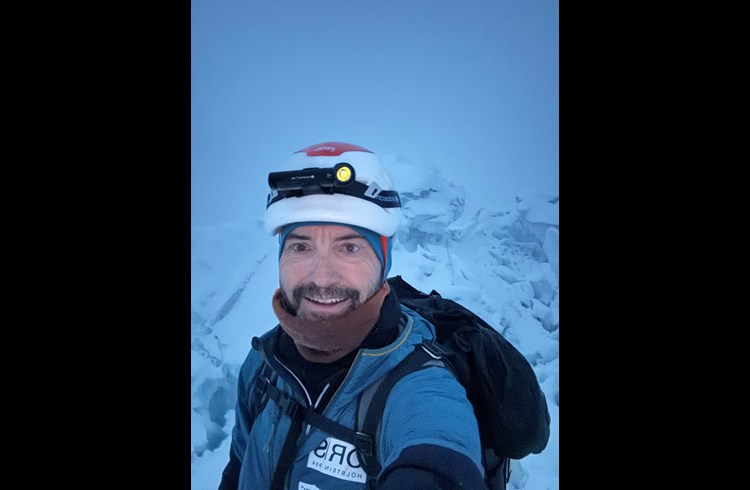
[{"x": 326, "y": 271}]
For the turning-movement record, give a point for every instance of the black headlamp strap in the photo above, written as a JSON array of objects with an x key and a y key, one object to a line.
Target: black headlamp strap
[{"x": 372, "y": 193}]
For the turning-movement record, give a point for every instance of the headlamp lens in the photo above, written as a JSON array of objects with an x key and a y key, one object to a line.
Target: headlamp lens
[{"x": 344, "y": 173}]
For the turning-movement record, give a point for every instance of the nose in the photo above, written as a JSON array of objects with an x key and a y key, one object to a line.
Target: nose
[{"x": 324, "y": 270}]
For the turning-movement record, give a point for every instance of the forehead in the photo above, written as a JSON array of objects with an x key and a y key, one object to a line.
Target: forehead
[{"x": 324, "y": 231}]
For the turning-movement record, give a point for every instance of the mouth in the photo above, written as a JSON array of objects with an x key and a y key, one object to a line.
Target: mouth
[
  {"x": 324, "y": 301},
  {"x": 323, "y": 308}
]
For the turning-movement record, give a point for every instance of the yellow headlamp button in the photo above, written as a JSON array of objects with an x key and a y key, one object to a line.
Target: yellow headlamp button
[{"x": 343, "y": 174}]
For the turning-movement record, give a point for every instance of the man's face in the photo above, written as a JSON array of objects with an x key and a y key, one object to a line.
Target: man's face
[{"x": 325, "y": 271}]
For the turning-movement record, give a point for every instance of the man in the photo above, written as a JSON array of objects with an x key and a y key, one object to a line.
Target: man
[{"x": 340, "y": 331}]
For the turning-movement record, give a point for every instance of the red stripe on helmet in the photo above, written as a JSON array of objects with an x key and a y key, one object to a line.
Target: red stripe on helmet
[{"x": 330, "y": 149}]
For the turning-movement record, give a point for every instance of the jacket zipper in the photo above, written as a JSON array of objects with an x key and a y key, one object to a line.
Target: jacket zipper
[
  {"x": 269, "y": 446},
  {"x": 354, "y": 363},
  {"x": 343, "y": 382}
]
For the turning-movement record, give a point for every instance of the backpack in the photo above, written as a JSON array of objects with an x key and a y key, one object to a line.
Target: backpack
[{"x": 501, "y": 385}]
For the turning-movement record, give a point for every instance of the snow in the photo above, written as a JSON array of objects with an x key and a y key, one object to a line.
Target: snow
[
  {"x": 460, "y": 99},
  {"x": 501, "y": 262}
]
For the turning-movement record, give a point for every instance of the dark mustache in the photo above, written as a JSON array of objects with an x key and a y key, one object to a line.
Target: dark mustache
[{"x": 312, "y": 289}]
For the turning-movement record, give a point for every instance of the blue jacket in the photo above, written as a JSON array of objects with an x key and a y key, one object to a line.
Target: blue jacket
[{"x": 428, "y": 425}]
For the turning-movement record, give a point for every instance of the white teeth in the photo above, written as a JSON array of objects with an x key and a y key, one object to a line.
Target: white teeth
[{"x": 327, "y": 301}]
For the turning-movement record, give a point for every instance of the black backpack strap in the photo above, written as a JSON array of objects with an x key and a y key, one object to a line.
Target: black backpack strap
[
  {"x": 266, "y": 375},
  {"x": 266, "y": 389},
  {"x": 373, "y": 400},
  {"x": 291, "y": 407},
  {"x": 369, "y": 412},
  {"x": 497, "y": 469},
  {"x": 289, "y": 449}
]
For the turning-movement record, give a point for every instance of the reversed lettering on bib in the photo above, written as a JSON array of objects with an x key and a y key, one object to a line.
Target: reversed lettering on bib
[{"x": 338, "y": 459}]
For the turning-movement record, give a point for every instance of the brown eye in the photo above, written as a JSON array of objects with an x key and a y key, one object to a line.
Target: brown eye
[
  {"x": 297, "y": 247},
  {"x": 351, "y": 248}
]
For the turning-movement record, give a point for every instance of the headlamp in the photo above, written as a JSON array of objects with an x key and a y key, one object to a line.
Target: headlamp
[
  {"x": 294, "y": 180},
  {"x": 339, "y": 179}
]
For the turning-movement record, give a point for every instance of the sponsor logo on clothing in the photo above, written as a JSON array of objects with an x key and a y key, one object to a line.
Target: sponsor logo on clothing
[
  {"x": 337, "y": 459},
  {"x": 306, "y": 486}
]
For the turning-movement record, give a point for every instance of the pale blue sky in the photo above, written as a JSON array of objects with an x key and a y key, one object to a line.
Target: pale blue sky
[{"x": 470, "y": 86}]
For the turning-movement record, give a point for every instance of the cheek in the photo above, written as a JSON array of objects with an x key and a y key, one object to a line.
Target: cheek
[
  {"x": 369, "y": 269},
  {"x": 365, "y": 276},
  {"x": 289, "y": 272}
]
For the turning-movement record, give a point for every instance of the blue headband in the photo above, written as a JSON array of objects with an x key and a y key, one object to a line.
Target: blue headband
[{"x": 373, "y": 238}]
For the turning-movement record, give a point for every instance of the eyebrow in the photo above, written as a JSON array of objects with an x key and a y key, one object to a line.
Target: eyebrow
[
  {"x": 350, "y": 237},
  {"x": 297, "y": 236}
]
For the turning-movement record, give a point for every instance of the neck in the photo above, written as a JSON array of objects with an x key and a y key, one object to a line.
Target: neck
[{"x": 330, "y": 339}]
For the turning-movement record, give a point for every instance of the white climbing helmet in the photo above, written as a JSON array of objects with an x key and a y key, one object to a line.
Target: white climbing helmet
[{"x": 333, "y": 182}]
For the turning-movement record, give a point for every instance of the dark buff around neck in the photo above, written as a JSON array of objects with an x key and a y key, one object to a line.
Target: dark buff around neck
[{"x": 331, "y": 339}]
